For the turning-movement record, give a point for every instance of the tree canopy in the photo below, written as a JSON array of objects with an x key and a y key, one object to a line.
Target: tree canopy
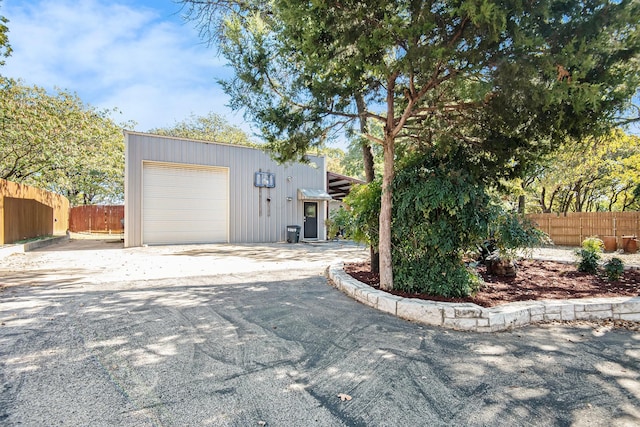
[
  {"x": 211, "y": 127},
  {"x": 504, "y": 80},
  {"x": 56, "y": 142},
  {"x": 595, "y": 174},
  {"x": 5, "y": 46}
]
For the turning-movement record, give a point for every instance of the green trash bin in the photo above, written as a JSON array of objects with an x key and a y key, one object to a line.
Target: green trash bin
[{"x": 293, "y": 233}]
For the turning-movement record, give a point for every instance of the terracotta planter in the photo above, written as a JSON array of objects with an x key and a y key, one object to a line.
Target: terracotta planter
[
  {"x": 630, "y": 244},
  {"x": 610, "y": 244}
]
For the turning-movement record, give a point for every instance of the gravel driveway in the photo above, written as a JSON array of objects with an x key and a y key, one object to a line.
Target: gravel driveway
[{"x": 249, "y": 335}]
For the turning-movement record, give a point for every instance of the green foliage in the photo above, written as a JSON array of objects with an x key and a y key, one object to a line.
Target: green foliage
[
  {"x": 614, "y": 269},
  {"x": 440, "y": 211},
  {"x": 588, "y": 175},
  {"x": 593, "y": 244},
  {"x": 352, "y": 162},
  {"x": 211, "y": 127},
  {"x": 339, "y": 223},
  {"x": 588, "y": 261},
  {"x": 480, "y": 77},
  {"x": 5, "y": 47},
  {"x": 512, "y": 232},
  {"x": 589, "y": 255},
  {"x": 364, "y": 203},
  {"x": 486, "y": 70},
  {"x": 56, "y": 142}
]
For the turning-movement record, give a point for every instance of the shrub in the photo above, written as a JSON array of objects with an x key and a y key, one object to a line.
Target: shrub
[
  {"x": 441, "y": 210},
  {"x": 512, "y": 232},
  {"x": 339, "y": 224},
  {"x": 590, "y": 255},
  {"x": 614, "y": 269},
  {"x": 593, "y": 244},
  {"x": 364, "y": 203}
]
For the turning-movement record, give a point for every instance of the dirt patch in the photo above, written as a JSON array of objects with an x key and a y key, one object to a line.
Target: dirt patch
[{"x": 536, "y": 280}]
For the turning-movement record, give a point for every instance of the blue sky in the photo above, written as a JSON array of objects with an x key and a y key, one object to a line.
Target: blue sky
[
  {"x": 138, "y": 56},
  {"x": 135, "y": 55}
]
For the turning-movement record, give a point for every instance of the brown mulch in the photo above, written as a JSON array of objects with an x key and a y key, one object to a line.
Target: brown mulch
[{"x": 535, "y": 280}]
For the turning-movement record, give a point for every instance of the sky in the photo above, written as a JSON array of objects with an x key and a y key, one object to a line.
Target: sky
[{"x": 138, "y": 56}]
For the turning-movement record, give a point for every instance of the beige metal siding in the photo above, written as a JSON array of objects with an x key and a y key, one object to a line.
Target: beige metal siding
[
  {"x": 251, "y": 217},
  {"x": 184, "y": 204}
]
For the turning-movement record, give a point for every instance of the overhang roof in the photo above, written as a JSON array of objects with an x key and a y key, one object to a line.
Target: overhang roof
[
  {"x": 312, "y": 194},
  {"x": 338, "y": 186}
]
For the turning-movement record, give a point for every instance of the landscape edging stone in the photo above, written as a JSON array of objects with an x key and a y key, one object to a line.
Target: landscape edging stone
[{"x": 474, "y": 318}]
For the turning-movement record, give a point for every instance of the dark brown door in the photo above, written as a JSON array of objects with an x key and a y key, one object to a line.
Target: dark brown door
[{"x": 310, "y": 220}]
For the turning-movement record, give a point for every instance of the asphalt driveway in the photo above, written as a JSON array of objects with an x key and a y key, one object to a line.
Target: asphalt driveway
[{"x": 240, "y": 335}]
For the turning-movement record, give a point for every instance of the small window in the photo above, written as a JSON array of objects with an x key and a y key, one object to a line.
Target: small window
[{"x": 310, "y": 210}]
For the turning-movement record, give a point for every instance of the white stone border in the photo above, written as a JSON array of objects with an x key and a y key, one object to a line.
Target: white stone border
[{"x": 472, "y": 317}]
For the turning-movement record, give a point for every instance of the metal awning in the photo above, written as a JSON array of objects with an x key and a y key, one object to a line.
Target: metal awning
[
  {"x": 312, "y": 194},
  {"x": 338, "y": 186}
]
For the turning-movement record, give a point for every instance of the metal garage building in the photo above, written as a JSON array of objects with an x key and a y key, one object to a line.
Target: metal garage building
[{"x": 187, "y": 191}]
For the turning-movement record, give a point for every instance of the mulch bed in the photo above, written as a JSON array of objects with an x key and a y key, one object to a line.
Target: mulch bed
[{"x": 535, "y": 280}]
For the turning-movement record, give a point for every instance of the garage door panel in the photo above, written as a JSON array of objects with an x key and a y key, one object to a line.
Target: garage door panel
[
  {"x": 179, "y": 237},
  {"x": 157, "y": 207},
  {"x": 183, "y": 227},
  {"x": 171, "y": 190},
  {"x": 183, "y": 204}
]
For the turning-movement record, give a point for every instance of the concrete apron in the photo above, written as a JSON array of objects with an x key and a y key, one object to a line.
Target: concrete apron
[{"x": 244, "y": 335}]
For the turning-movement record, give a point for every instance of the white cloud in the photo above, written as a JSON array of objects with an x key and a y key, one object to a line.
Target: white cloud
[{"x": 141, "y": 60}]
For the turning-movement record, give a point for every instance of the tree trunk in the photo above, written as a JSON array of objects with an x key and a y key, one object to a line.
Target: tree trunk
[
  {"x": 386, "y": 269},
  {"x": 579, "y": 201},
  {"x": 367, "y": 154},
  {"x": 369, "y": 171},
  {"x": 521, "y": 204},
  {"x": 375, "y": 259},
  {"x": 566, "y": 203},
  {"x": 543, "y": 205},
  {"x": 553, "y": 197}
]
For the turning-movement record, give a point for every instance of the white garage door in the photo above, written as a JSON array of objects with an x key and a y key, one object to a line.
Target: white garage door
[{"x": 184, "y": 204}]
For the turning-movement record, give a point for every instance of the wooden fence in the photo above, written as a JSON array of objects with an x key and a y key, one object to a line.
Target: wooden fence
[
  {"x": 572, "y": 229},
  {"x": 26, "y": 218},
  {"x": 27, "y": 212},
  {"x": 96, "y": 219}
]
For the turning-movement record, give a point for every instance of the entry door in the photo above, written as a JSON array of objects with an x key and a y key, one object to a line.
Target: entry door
[{"x": 310, "y": 220}]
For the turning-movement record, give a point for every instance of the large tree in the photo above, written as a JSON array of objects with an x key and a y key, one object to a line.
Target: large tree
[
  {"x": 211, "y": 127},
  {"x": 595, "y": 174},
  {"x": 506, "y": 79},
  {"x": 5, "y": 46},
  {"x": 56, "y": 142}
]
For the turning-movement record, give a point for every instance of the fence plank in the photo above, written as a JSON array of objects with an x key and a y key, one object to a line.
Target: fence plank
[
  {"x": 19, "y": 220},
  {"x": 96, "y": 219},
  {"x": 26, "y": 218},
  {"x": 571, "y": 229}
]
